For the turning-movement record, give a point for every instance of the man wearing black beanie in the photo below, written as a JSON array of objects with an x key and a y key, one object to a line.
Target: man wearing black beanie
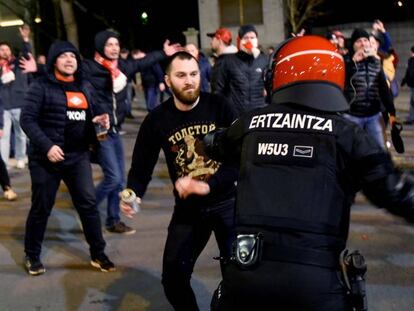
[
  {"x": 57, "y": 118},
  {"x": 108, "y": 75},
  {"x": 366, "y": 88},
  {"x": 240, "y": 76}
]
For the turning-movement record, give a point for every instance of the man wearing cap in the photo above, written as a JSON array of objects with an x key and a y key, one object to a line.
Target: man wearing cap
[
  {"x": 57, "y": 118},
  {"x": 366, "y": 88},
  {"x": 108, "y": 74},
  {"x": 221, "y": 42},
  {"x": 240, "y": 76}
]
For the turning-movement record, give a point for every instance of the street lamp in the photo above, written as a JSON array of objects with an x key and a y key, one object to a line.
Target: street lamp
[{"x": 144, "y": 18}]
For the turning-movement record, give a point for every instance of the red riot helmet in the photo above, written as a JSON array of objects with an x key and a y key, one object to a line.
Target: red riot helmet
[{"x": 309, "y": 71}]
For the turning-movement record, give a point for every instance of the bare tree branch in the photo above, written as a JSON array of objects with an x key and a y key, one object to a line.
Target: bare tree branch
[{"x": 299, "y": 11}]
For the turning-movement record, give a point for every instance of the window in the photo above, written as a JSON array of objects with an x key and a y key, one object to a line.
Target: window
[{"x": 239, "y": 12}]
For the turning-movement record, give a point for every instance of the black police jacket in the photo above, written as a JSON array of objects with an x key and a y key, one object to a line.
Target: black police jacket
[{"x": 299, "y": 172}]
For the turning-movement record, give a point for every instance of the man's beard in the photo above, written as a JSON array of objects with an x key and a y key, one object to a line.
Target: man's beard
[{"x": 184, "y": 97}]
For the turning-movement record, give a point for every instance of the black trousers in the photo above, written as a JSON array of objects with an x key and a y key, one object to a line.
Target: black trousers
[
  {"x": 283, "y": 286},
  {"x": 185, "y": 242},
  {"x": 4, "y": 175},
  {"x": 46, "y": 178}
]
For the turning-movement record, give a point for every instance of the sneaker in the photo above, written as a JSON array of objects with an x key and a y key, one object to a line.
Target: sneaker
[
  {"x": 34, "y": 266},
  {"x": 103, "y": 263},
  {"x": 20, "y": 164},
  {"x": 9, "y": 194},
  {"x": 121, "y": 228}
]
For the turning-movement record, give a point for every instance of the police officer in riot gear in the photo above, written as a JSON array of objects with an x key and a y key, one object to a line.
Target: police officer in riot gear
[{"x": 301, "y": 164}]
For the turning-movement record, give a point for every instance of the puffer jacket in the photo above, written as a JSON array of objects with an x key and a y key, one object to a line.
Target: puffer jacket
[
  {"x": 43, "y": 117},
  {"x": 240, "y": 78},
  {"x": 366, "y": 88}
]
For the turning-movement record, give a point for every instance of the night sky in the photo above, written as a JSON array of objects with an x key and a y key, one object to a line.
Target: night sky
[{"x": 168, "y": 18}]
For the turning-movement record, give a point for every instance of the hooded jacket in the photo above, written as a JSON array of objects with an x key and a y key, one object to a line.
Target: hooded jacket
[
  {"x": 100, "y": 78},
  {"x": 43, "y": 118}
]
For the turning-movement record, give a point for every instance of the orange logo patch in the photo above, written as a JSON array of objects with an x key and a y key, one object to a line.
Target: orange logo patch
[{"x": 76, "y": 100}]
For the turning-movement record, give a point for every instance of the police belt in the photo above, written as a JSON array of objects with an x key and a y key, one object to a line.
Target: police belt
[{"x": 305, "y": 256}]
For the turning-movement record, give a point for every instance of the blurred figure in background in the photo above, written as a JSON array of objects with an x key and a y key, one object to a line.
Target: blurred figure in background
[{"x": 205, "y": 66}]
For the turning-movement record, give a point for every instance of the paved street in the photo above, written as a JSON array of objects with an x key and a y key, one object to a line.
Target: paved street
[{"x": 70, "y": 283}]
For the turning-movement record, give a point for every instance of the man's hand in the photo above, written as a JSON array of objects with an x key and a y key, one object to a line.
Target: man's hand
[
  {"x": 378, "y": 26},
  {"x": 170, "y": 49},
  {"x": 161, "y": 87},
  {"x": 138, "y": 55},
  {"x": 1, "y": 133},
  {"x": 186, "y": 186},
  {"x": 55, "y": 154},
  {"x": 392, "y": 120},
  {"x": 28, "y": 65},
  {"x": 126, "y": 209},
  {"x": 103, "y": 120},
  {"x": 25, "y": 32}
]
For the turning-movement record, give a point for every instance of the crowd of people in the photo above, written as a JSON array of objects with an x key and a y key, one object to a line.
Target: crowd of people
[{"x": 66, "y": 109}]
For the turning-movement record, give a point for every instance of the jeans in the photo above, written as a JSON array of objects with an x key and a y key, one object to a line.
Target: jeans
[
  {"x": 46, "y": 178},
  {"x": 12, "y": 116},
  {"x": 151, "y": 97},
  {"x": 372, "y": 125},
  {"x": 411, "y": 115},
  {"x": 185, "y": 241},
  {"x": 111, "y": 160}
]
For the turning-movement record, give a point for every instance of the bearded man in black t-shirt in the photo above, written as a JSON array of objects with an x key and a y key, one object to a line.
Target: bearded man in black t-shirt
[{"x": 177, "y": 127}]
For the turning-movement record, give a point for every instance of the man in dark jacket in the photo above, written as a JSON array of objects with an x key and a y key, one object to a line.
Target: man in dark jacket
[
  {"x": 14, "y": 82},
  {"x": 241, "y": 76},
  {"x": 301, "y": 164},
  {"x": 57, "y": 118},
  {"x": 409, "y": 80},
  {"x": 177, "y": 127},
  {"x": 108, "y": 74},
  {"x": 366, "y": 88},
  {"x": 152, "y": 81}
]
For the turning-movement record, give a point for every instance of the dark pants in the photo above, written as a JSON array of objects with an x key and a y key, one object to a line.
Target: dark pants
[
  {"x": 46, "y": 178},
  {"x": 185, "y": 242},
  {"x": 4, "y": 175},
  {"x": 281, "y": 286}
]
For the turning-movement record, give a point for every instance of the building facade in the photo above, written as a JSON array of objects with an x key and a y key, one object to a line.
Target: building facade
[{"x": 266, "y": 15}]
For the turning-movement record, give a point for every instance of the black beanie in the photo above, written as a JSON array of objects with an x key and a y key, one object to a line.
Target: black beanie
[
  {"x": 358, "y": 33},
  {"x": 58, "y": 48},
  {"x": 245, "y": 29},
  {"x": 101, "y": 38}
]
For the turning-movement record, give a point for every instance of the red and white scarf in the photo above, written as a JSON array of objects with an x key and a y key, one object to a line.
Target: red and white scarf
[
  {"x": 7, "y": 74},
  {"x": 119, "y": 80}
]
